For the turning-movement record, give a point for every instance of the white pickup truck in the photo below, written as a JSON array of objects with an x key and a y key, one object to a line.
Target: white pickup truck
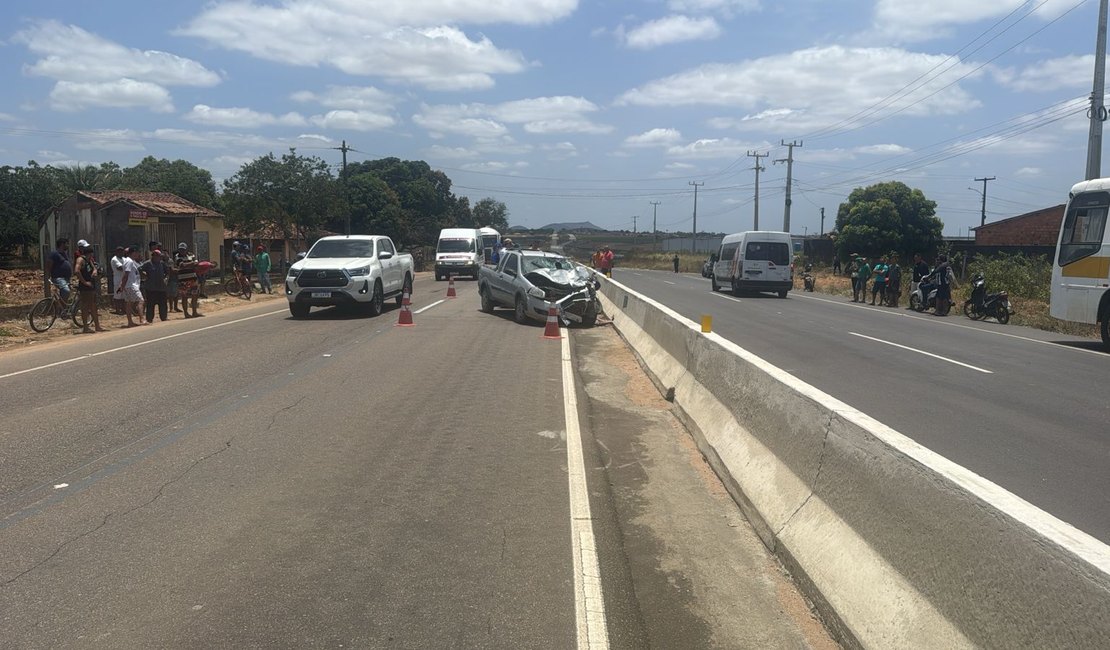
[{"x": 356, "y": 270}]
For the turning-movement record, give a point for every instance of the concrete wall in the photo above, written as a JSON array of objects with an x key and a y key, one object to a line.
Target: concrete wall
[{"x": 897, "y": 546}]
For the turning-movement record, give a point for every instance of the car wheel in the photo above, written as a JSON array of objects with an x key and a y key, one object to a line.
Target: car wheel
[
  {"x": 713, "y": 283},
  {"x": 782, "y": 294},
  {"x": 487, "y": 302},
  {"x": 299, "y": 309},
  {"x": 377, "y": 301},
  {"x": 520, "y": 310}
]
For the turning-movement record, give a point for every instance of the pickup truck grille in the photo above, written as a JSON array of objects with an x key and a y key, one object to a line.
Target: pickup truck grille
[{"x": 322, "y": 278}]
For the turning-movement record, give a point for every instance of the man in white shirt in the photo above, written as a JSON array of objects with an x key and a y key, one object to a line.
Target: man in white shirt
[
  {"x": 117, "y": 277},
  {"x": 128, "y": 288}
]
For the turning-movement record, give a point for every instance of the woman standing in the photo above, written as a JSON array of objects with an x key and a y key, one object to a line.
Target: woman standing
[{"x": 88, "y": 286}]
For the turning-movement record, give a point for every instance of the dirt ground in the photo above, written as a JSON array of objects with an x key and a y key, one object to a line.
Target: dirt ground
[{"x": 20, "y": 290}]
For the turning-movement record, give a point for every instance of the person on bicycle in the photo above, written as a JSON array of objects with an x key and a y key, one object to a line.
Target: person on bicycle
[
  {"x": 88, "y": 286},
  {"x": 241, "y": 263},
  {"x": 59, "y": 270}
]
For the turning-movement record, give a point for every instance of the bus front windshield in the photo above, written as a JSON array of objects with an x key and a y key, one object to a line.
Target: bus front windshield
[{"x": 1084, "y": 226}]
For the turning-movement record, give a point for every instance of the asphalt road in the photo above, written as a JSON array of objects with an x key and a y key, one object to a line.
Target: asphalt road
[
  {"x": 249, "y": 480},
  {"x": 1027, "y": 409}
]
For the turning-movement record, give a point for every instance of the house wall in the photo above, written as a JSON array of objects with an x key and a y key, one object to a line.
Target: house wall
[
  {"x": 1040, "y": 228},
  {"x": 208, "y": 232}
]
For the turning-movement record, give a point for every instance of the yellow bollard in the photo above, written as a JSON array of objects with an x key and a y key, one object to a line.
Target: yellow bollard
[{"x": 706, "y": 323}]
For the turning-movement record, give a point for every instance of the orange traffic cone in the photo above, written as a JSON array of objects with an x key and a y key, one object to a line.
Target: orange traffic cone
[
  {"x": 405, "y": 317},
  {"x": 451, "y": 287},
  {"x": 551, "y": 330}
]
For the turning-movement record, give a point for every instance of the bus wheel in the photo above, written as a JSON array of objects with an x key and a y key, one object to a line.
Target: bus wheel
[{"x": 1106, "y": 328}]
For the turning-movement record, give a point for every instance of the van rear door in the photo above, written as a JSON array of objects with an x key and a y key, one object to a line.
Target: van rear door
[{"x": 767, "y": 261}]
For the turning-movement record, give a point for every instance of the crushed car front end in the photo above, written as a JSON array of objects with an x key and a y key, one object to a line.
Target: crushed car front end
[{"x": 572, "y": 291}]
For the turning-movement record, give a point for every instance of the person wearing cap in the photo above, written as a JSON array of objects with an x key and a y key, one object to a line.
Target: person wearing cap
[
  {"x": 262, "y": 265},
  {"x": 117, "y": 277},
  {"x": 187, "y": 286},
  {"x": 88, "y": 286},
  {"x": 129, "y": 287},
  {"x": 155, "y": 274}
]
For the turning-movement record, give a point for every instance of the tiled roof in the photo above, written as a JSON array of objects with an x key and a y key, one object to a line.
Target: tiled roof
[{"x": 157, "y": 202}]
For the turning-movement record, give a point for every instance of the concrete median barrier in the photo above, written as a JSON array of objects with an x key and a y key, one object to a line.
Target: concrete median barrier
[{"x": 897, "y": 546}]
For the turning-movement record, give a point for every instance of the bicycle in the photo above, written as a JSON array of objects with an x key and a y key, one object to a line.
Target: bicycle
[
  {"x": 48, "y": 310},
  {"x": 238, "y": 285}
]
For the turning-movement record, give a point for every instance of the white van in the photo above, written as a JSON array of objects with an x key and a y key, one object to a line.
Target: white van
[
  {"x": 756, "y": 260},
  {"x": 458, "y": 252}
]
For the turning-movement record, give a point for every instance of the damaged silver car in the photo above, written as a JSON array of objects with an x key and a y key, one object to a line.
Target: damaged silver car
[{"x": 529, "y": 281}]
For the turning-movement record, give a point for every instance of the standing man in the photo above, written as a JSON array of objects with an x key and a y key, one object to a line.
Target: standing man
[
  {"x": 155, "y": 273},
  {"x": 129, "y": 290},
  {"x": 187, "y": 287},
  {"x": 894, "y": 282},
  {"x": 88, "y": 285},
  {"x": 920, "y": 270},
  {"x": 262, "y": 263},
  {"x": 836, "y": 265},
  {"x": 607, "y": 261},
  {"x": 878, "y": 285},
  {"x": 59, "y": 270},
  {"x": 117, "y": 277},
  {"x": 675, "y": 262},
  {"x": 864, "y": 275}
]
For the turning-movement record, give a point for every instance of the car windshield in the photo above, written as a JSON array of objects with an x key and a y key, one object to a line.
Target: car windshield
[
  {"x": 342, "y": 248},
  {"x": 455, "y": 246},
  {"x": 549, "y": 263}
]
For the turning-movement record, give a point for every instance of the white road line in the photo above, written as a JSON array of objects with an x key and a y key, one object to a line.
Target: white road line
[
  {"x": 140, "y": 344},
  {"x": 721, "y": 295},
  {"x": 931, "y": 319},
  {"x": 928, "y": 354},
  {"x": 589, "y": 604},
  {"x": 667, "y": 282},
  {"x": 424, "y": 309}
]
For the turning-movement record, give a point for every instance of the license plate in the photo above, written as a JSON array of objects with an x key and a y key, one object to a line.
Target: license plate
[{"x": 321, "y": 294}]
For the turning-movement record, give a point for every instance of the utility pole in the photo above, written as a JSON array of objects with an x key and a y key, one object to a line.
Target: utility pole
[
  {"x": 789, "y": 160},
  {"x": 1097, "y": 111},
  {"x": 654, "y": 214},
  {"x": 343, "y": 173},
  {"x": 822, "y": 221},
  {"x": 694, "y": 238},
  {"x": 634, "y": 218},
  {"x": 758, "y": 168},
  {"x": 983, "y": 220}
]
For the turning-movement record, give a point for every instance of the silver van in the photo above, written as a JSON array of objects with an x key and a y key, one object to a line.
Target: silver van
[{"x": 756, "y": 260}]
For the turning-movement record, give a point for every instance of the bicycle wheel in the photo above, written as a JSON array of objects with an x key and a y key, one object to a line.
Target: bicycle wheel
[
  {"x": 79, "y": 319},
  {"x": 232, "y": 287},
  {"x": 43, "y": 314},
  {"x": 248, "y": 288}
]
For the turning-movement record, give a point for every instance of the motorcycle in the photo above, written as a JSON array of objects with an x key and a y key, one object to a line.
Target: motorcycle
[
  {"x": 923, "y": 297},
  {"x": 808, "y": 279},
  {"x": 987, "y": 305}
]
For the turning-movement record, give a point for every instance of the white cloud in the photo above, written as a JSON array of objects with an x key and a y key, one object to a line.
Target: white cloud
[
  {"x": 439, "y": 152},
  {"x": 883, "y": 149},
  {"x": 1050, "y": 75},
  {"x": 48, "y": 155},
  {"x": 123, "y": 93},
  {"x": 679, "y": 166},
  {"x": 110, "y": 140},
  {"x": 73, "y": 54},
  {"x": 794, "y": 91},
  {"x": 405, "y": 42},
  {"x": 240, "y": 117},
  {"x": 316, "y": 137},
  {"x": 503, "y": 145},
  {"x": 727, "y": 7},
  {"x": 560, "y": 150},
  {"x": 1029, "y": 171},
  {"x": 710, "y": 148},
  {"x": 496, "y": 166},
  {"x": 914, "y": 20},
  {"x": 351, "y": 97},
  {"x": 4, "y": 117},
  {"x": 654, "y": 138},
  {"x": 560, "y": 114},
  {"x": 353, "y": 120},
  {"x": 671, "y": 29}
]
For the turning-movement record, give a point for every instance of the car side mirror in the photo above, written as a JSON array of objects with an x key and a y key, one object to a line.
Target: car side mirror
[{"x": 385, "y": 255}]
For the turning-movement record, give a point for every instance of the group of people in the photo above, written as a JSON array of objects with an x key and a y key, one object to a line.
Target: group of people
[
  {"x": 244, "y": 265},
  {"x": 602, "y": 260},
  {"x": 885, "y": 277},
  {"x": 140, "y": 285}
]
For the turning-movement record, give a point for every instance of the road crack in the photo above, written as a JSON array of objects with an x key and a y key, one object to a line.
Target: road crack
[
  {"x": 104, "y": 522},
  {"x": 813, "y": 484},
  {"x": 273, "y": 419}
]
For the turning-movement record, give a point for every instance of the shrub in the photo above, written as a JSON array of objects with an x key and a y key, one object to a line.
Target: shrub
[{"x": 1022, "y": 276}]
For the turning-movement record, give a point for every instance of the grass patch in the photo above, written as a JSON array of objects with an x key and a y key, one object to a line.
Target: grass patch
[
  {"x": 5, "y": 331},
  {"x": 655, "y": 261}
]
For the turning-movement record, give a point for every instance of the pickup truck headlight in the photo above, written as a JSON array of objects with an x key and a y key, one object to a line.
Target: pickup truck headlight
[
  {"x": 294, "y": 273},
  {"x": 359, "y": 272},
  {"x": 537, "y": 292}
]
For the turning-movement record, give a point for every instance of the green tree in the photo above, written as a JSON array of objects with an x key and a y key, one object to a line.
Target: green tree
[
  {"x": 297, "y": 194},
  {"x": 26, "y": 193},
  {"x": 887, "y": 217},
  {"x": 179, "y": 177},
  {"x": 82, "y": 178},
  {"x": 492, "y": 213}
]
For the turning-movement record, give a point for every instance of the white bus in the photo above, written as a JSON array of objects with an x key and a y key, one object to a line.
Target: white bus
[{"x": 1081, "y": 271}]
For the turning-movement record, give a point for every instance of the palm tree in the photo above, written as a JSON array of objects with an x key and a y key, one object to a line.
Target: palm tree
[{"x": 87, "y": 178}]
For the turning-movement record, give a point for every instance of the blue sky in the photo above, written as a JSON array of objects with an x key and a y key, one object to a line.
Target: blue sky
[{"x": 572, "y": 110}]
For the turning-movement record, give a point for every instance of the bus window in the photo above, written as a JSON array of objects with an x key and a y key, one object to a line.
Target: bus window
[{"x": 1084, "y": 225}]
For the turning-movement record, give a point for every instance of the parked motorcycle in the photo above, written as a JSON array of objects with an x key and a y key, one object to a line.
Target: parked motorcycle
[
  {"x": 923, "y": 297},
  {"x": 809, "y": 280},
  {"x": 987, "y": 305}
]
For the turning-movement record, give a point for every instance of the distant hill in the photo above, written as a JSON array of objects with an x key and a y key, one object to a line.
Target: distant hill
[{"x": 575, "y": 225}]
